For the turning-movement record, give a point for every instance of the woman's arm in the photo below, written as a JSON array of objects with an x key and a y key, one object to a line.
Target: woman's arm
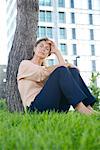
[
  {"x": 56, "y": 51},
  {"x": 52, "y": 68},
  {"x": 60, "y": 58}
]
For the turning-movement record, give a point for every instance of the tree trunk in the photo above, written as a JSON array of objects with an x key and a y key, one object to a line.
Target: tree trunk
[{"x": 22, "y": 48}]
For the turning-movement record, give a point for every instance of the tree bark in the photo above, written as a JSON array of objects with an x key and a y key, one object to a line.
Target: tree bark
[{"x": 22, "y": 48}]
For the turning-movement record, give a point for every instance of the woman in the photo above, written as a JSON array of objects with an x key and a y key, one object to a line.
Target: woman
[{"x": 52, "y": 88}]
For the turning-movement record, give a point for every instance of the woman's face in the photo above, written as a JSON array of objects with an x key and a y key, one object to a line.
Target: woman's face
[{"x": 42, "y": 50}]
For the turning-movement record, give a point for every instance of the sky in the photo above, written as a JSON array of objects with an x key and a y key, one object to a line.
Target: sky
[{"x": 3, "y": 37}]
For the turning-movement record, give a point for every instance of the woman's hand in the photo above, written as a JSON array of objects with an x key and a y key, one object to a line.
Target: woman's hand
[{"x": 54, "y": 49}]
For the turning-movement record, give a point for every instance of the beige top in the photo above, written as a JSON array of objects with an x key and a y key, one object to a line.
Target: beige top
[{"x": 30, "y": 78}]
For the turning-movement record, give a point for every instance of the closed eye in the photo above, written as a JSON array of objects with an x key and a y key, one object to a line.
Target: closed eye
[
  {"x": 47, "y": 48},
  {"x": 41, "y": 45}
]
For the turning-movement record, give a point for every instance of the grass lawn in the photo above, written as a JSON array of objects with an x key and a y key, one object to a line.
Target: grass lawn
[{"x": 53, "y": 131}]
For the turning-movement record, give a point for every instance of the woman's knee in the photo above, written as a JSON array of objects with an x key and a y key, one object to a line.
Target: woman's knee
[
  {"x": 61, "y": 68},
  {"x": 74, "y": 69}
]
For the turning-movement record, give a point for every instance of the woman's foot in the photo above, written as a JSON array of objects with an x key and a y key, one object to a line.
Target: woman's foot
[
  {"x": 90, "y": 108},
  {"x": 83, "y": 109}
]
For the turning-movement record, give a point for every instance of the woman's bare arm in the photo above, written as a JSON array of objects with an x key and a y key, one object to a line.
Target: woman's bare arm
[
  {"x": 55, "y": 50},
  {"x": 52, "y": 68}
]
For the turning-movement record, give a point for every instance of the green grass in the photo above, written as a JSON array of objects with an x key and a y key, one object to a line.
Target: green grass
[{"x": 53, "y": 131}]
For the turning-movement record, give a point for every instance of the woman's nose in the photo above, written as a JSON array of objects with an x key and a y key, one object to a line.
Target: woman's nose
[{"x": 43, "y": 49}]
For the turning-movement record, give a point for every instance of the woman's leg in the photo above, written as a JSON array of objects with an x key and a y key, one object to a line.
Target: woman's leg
[
  {"x": 60, "y": 82},
  {"x": 90, "y": 100},
  {"x": 51, "y": 96}
]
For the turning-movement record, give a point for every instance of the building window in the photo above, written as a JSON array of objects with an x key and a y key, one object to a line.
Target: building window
[
  {"x": 91, "y": 34},
  {"x": 41, "y": 2},
  {"x": 90, "y": 19},
  {"x": 63, "y": 48},
  {"x": 42, "y": 31},
  {"x": 45, "y": 16},
  {"x": 74, "y": 48},
  {"x": 93, "y": 65},
  {"x": 62, "y": 33},
  {"x": 50, "y": 62},
  {"x": 38, "y": 32},
  {"x": 9, "y": 5},
  {"x": 45, "y": 2},
  {"x": 92, "y": 50},
  {"x": 72, "y": 3},
  {"x": 49, "y": 32},
  {"x": 42, "y": 15},
  {"x": 61, "y": 3},
  {"x": 73, "y": 33},
  {"x": 48, "y": 16},
  {"x": 48, "y": 2},
  {"x": 72, "y": 17},
  {"x": 61, "y": 17},
  {"x": 90, "y": 4},
  {"x": 74, "y": 62}
]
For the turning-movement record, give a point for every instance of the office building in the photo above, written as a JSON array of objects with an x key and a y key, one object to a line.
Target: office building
[{"x": 75, "y": 27}]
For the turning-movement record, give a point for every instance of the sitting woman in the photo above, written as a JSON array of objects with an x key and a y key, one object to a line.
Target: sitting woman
[{"x": 52, "y": 88}]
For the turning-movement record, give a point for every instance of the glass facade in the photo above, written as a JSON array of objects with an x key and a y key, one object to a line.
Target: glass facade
[
  {"x": 50, "y": 62},
  {"x": 45, "y": 2},
  {"x": 9, "y": 5},
  {"x": 93, "y": 65},
  {"x": 61, "y": 3},
  {"x": 73, "y": 33},
  {"x": 74, "y": 49},
  {"x": 45, "y": 16},
  {"x": 42, "y": 15},
  {"x": 91, "y": 34},
  {"x": 92, "y": 50},
  {"x": 48, "y": 2},
  {"x": 72, "y": 3},
  {"x": 90, "y": 19},
  {"x": 74, "y": 62},
  {"x": 63, "y": 48},
  {"x": 62, "y": 32},
  {"x": 42, "y": 31},
  {"x": 48, "y": 16},
  {"x": 61, "y": 17},
  {"x": 49, "y": 32},
  {"x": 89, "y": 4},
  {"x": 72, "y": 17}
]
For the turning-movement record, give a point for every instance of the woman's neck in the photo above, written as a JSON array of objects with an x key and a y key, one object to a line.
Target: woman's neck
[{"x": 37, "y": 60}]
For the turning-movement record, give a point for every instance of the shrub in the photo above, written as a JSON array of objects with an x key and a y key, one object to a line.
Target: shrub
[{"x": 95, "y": 89}]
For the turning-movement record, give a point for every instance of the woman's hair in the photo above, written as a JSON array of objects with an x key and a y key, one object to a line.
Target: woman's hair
[{"x": 40, "y": 40}]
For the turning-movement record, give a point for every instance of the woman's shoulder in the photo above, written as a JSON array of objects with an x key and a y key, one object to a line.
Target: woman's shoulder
[
  {"x": 29, "y": 65},
  {"x": 25, "y": 62}
]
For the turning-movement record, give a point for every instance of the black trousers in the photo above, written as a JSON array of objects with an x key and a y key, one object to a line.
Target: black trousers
[{"x": 63, "y": 88}]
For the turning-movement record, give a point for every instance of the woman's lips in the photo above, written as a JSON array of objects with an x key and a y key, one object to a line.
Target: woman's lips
[{"x": 42, "y": 53}]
